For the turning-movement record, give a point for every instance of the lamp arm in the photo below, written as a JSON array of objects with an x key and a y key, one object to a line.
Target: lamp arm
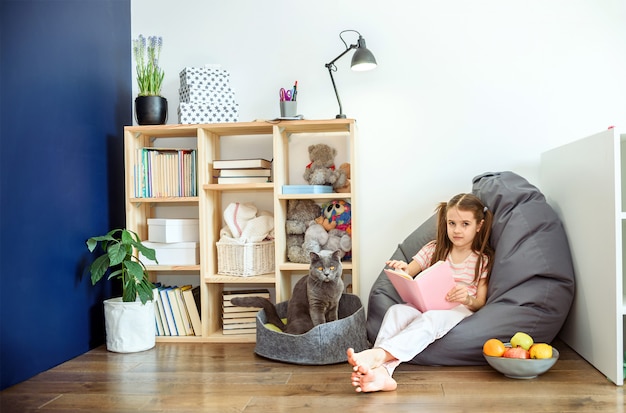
[
  {"x": 330, "y": 66},
  {"x": 332, "y": 79}
]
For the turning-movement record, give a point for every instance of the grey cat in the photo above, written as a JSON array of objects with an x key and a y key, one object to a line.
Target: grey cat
[{"x": 315, "y": 297}]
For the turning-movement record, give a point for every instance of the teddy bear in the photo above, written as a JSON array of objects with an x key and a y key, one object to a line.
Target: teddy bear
[
  {"x": 346, "y": 187},
  {"x": 301, "y": 213},
  {"x": 321, "y": 170},
  {"x": 336, "y": 214},
  {"x": 332, "y": 230},
  {"x": 316, "y": 238}
]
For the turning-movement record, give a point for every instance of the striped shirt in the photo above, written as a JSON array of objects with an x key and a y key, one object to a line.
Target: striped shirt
[{"x": 463, "y": 272}]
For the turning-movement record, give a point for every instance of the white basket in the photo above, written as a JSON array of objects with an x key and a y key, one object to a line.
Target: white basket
[{"x": 245, "y": 260}]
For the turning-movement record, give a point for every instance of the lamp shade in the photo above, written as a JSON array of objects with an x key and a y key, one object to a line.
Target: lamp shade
[{"x": 362, "y": 59}]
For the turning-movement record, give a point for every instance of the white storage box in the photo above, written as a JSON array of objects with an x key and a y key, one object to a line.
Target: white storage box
[
  {"x": 194, "y": 76},
  {"x": 173, "y": 230},
  {"x": 245, "y": 260},
  {"x": 195, "y": 113},
  {"x": 207, "y": 95},
  {"x": 175, "y": 253}
]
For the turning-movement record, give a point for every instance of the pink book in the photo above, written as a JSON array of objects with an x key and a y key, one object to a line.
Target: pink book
[{"x": 427, "y": 291}]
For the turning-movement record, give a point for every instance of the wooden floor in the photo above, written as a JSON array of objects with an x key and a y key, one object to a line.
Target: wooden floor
[{"x": 231, "y": 378}]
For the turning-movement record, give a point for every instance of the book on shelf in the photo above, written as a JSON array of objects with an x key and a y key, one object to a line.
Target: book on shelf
[
  {"x": 242, "y": 179},
  {"x": 239, "y": 331},
  {"x": 230, "y": 294},
  {"x": 172, "y": 295},
  {"x": 241, "y": 326},
  {"x": 225, "y": 173},
  {"x": 164, "y": 172},
  {"x": 427, "y": 291},
  {"x": 193, "y": 309},
  {"x": 244, "y": 313},
  {"x": 167, "y": 309},
  {"x": 186, "y": 320},
  {"x": 241, "y": 163},
  {"x": 160, "y": 330},
  {"x": 158, "y": 302},
  {"x": 240, "y": 320}
]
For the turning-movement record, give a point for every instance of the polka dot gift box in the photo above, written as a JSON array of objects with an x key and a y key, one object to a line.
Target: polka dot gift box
[{"x": 206, "y": 96}]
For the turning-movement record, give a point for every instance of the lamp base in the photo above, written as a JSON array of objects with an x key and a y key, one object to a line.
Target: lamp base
[{"x": 340, "y": 116}]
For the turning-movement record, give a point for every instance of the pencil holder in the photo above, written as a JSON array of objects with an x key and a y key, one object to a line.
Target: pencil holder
[{"x": 288, "y": 108}]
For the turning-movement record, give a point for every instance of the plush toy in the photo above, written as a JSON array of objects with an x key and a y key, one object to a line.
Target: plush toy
[
  {"x": 316, "y": 238},
  {"x": 301, "y": 213},
  {"x": 336, "y": 214},
  {"x": 332, "y": 230},
  {"x": 345, "y": 167},
  {"x": 321, "y": 170}
]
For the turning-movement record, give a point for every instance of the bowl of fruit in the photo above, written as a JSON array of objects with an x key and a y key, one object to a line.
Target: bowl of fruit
[{"x": 521, "y": 357}]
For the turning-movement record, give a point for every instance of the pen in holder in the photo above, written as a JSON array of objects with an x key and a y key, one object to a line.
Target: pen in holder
[
  {"x": 288, "y": 108},
  {"x": 288, "y": 103}
]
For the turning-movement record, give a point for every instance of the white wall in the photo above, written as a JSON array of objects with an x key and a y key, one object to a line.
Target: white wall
[{"x": 462, "y": 87}]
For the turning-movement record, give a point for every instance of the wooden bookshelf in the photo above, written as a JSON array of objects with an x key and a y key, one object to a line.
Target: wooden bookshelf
[{"x": 207, "y": 140}]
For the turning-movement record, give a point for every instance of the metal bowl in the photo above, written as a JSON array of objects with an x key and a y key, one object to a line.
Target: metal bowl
[{"x": 522, "y": 368}]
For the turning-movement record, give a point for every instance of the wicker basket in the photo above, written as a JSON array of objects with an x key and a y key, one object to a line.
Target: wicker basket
[{"x": 245, "y": 260}]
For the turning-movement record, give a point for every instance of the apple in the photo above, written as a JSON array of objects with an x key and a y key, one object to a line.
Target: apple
[
  {"x": 522, "y": 340},
  {"x": 516, "y": 353}
]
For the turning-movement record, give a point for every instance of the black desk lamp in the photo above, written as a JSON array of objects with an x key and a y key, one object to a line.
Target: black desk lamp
[{"x": 362, "y": 60}]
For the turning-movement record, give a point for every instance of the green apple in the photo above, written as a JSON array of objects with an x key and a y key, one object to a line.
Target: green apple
[{"x": 522, "y": 340}]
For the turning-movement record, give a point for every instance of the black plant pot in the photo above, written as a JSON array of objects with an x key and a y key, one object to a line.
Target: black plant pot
[{"x": 151, "y": 110}]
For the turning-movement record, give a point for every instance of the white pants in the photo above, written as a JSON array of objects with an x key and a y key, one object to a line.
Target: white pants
[{"x": 405, "y": 331}]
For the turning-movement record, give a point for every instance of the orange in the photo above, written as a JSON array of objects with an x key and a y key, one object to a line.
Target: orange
[
  {"x": 494, "y": 347},
  {"x": 541, "y": 351}
]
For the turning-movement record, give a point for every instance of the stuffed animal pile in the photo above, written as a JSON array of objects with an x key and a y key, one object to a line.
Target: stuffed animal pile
[{"x": 330, "y": 229}]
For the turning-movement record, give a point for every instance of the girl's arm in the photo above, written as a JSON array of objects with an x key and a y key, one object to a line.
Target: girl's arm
[
  {"x": 459, "y": 294},
  {"x": 413, "y": 268},
  {"x": 476, "y": 303}
]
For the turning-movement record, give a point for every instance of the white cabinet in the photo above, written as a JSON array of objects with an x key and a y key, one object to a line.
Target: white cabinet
[{"x": 584, "y": 182}]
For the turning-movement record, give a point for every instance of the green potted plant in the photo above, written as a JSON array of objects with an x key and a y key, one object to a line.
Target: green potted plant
[
  {"x": 150, "y": 106},
  {"x": 129, "y": 320}
]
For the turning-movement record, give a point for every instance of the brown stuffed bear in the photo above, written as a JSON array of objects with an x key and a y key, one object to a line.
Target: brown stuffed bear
[{"x": 346, "y": 188}]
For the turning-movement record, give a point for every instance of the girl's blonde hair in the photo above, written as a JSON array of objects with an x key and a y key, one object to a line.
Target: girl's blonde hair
[{"x": 480, "y": 245}]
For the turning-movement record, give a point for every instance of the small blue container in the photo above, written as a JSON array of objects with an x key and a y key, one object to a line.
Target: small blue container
[{"x": 307, "y": 189}]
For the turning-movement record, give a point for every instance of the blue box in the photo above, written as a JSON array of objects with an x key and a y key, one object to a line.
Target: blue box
[{"x": 307, "y": 189}]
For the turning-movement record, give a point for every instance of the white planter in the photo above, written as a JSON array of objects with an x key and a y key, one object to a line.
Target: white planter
[{"x": 130, "y": 327}]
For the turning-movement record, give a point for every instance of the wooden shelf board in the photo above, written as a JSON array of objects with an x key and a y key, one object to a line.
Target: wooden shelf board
[
  {"x": 230, "y": 279},
  {"x": 238, "y": 187},
  {"x": 292, "y": 266},
  {"x": 173, "y": 267},
  {"x": 216, "y": 337},
  {"x": 321, "y": 197},
  {"x": 176, "y": 199}
]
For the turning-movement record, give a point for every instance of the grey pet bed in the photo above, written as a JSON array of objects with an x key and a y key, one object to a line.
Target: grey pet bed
[
  {"x": 324, "y": 344},
  {"x": 532, "y": 283}
]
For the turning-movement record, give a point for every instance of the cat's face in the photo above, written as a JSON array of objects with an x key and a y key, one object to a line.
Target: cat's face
[{"x": 326, "y": 265}]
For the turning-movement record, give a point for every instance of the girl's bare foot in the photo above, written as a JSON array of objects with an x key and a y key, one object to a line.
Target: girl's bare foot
[
  {"x": 367, "y": 359},
  {"x": 372, "y": 380}
]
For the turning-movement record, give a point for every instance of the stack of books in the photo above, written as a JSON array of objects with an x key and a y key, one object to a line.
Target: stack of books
[
  {"x": 206, "y": 96},
  {"x": 243, "y": 171},
  {"x": 240, "y": 320},
  {"x": 176, "y": 310},
  {"x": 163, "y": 172}
]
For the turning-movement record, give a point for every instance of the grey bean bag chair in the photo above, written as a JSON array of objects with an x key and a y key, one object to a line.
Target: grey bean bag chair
[{"x": 531, "y": 286}]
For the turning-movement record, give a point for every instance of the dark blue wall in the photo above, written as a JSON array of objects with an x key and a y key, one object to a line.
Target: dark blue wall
[{"x": 65, "y": 85}]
